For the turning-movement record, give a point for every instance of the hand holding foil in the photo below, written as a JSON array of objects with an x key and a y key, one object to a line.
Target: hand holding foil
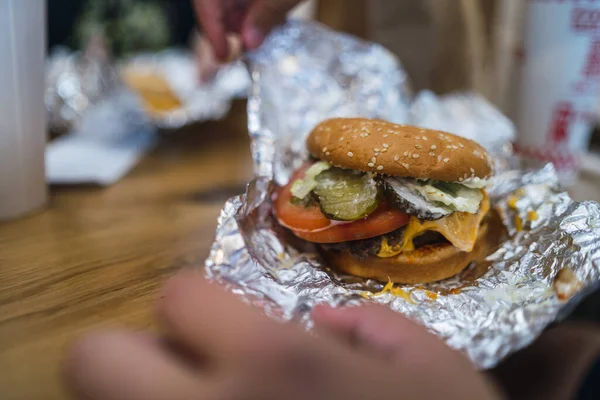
[{"x": 252, "y": 19}]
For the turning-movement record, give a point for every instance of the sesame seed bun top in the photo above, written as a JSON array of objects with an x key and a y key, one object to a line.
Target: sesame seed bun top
[{"x": 398, "y": 150}]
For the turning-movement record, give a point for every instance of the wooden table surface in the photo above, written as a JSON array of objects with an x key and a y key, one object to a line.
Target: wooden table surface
[{"x": 96, "y": 257}]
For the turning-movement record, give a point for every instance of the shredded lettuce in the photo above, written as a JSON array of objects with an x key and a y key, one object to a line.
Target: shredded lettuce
[
  {"x": 302, "y": 187},
  {"x": 454, "y": 195}
]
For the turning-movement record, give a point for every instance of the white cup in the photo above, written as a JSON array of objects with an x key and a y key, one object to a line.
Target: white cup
[
  {"x": 559, "y": 82},
  {"x": 22, "y": 110}
]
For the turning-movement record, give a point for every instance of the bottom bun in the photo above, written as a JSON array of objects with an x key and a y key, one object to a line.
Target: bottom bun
[{"x": 427, "y": 264}]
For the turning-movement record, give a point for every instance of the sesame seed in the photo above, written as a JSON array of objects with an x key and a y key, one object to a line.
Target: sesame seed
[
  {"x": 415, "y": 155},
  {"x": 379, "y": 129},
  {"x": 448, "y": 147},
  {"x": 476, "y": 153},
  {"x": 424, "y": 137},
  {"x": 422, "y": 130},
  {"x": 472, "y": 170},
  {"x": 406, "y": 154},
  {"x": 446, "y": 160},
  {"x": 376, "y": 154},
  {"x": 432, "y": 154},
  {"x": 396, "y": 157},
  {"x": 439, "y": 158},
  {"x": 385, "y": 145},
  {"x": 460, "y": 179},
  {"x": 327, "y": 153},
  {"x": 417, "y": 137},
  {"x": 405, "y": 165},
  {"x": 462, "y": 146},
  {"x": 373, "y": 159},
  {"x": 433, "y": 147},
  {"x": 350, "y": 154},
  {"x": 370, "y": 165},
  {"x": 379, "y": 167},
  {"x": 384, "y": 150},
  {"x": 342, "y": 139},
  {"x": 454, "y": 147},
  {"x": 324, "y": 149},
  {"x": 376, "y": 149},
  {"x": 385, "y": 135},
  {"x": 418, "y": 146}
]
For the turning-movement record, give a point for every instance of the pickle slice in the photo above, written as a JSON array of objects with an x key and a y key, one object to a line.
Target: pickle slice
[{"x": 346, "y": 195}]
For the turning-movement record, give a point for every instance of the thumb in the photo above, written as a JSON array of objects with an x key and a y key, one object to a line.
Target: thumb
[
  {"x": 373, "y": 325},
  {"x": 262, "y": 17},
  {"x": 402, "y": 342},
  {"x": 379, "y": 329}
]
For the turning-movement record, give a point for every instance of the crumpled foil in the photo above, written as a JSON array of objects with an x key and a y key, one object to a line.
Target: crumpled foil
[
  {"x": 548, "y": 262},
  {"x": 205, "y": 101},
  {"x": 77, "y": 82}
]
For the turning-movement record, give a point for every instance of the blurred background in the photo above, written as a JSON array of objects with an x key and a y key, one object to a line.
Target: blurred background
[{"x": 445, "y": 46}]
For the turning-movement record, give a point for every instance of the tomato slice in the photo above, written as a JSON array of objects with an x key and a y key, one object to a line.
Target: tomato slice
[
  {"x": 312, "y": 225},
  {"x": 297, "y": 217},
  {"x": 383, "y": 220}
]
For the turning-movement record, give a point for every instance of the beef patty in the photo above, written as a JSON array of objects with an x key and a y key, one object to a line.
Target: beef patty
[{"x": 362, "y": 249}]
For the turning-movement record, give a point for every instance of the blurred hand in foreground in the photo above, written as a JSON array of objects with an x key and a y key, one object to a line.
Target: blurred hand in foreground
[
  {"x": 216, "y": 347},
  {"x": 251, "y": 19}
]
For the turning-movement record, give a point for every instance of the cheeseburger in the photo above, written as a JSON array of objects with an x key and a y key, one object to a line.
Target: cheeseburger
[{"x": 388, "y": 201}]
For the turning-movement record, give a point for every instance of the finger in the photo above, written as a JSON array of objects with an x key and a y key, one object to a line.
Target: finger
[
  {"x": 262, "y": 17},
  {"x": 402, "y": 342},
  {"x": 124, "y": 365},
  {"x": 214, "y": 324},
  {"x": 235, "y": 11},
  {"x": 205, "y": 60},
  {"x": 379, "y": 328},
  {"x": 210, "y": 14},
  {"x": 374, "y": 324}
]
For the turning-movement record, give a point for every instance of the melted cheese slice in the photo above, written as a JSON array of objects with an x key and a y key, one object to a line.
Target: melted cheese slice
[{"x": 459, "y": 228}]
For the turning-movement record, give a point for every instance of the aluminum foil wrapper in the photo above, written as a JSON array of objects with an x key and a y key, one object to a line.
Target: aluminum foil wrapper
[
  {"x": 75, "y": 82},
  {"x": 205, "y": 101},
  {"x": 548, "y": 262},
  {"x": 78, "y": 82}
]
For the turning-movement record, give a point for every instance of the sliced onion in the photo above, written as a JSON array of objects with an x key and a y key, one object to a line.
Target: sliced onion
[{"x": 404, "y": 196}]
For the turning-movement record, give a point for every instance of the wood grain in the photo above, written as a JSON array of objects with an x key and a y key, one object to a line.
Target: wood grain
[{"x": 96, "y": 257}]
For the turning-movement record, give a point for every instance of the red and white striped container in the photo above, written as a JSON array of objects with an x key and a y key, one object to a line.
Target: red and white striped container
[{"x": 559, "y": 76}]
